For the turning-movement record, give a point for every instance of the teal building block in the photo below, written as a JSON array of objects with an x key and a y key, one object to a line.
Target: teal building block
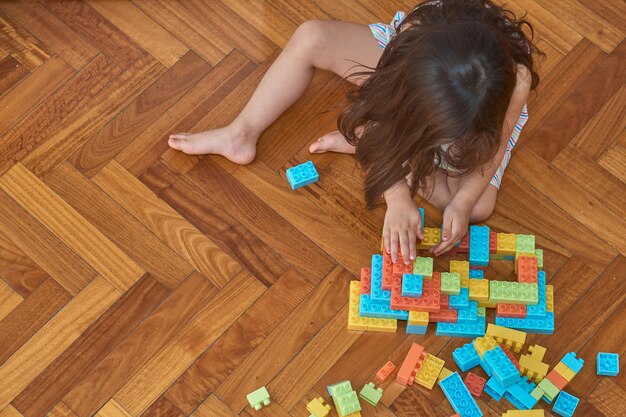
[
  {"x": 539, "y": 310},
  {"x": 518, "y": 394},
  {"x": 301, "y": 175},
  {"x": 423, "y": 216},
  {"x": 477, "y": 273},
  {"x": 501, "y": 366},
  {"x": 416, "y": 329},
  {"x": 377, "y": 293},
  {"x": 540, "y": 326},
  {"x": 459, "y": 396},
  {"x": 379, "y": 309},
  {"x": 462, "y": 329},
  {"x": 494, "y": 389},
  {"x": 572, "y": 362},
  {"x": 479, "y": 245},
  {"x": 412, "y": 285},
  {"x": 468, "y": 314},
  {"x": 461, "y": 300},
  {"x": 607, "y": 364},
  {"x": 466, "y": 357},
  {"x": 565, "y": 404}
]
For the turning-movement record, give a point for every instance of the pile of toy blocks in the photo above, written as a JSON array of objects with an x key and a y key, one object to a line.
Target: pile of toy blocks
[
  {"x": 345, "y": 400},
  {"x": 456, "y": 299}
]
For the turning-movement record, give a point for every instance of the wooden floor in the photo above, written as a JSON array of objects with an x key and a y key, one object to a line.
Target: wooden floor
[{"x": 139, "y": 281}]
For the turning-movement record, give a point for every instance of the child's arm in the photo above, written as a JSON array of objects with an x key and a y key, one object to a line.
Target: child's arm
[{"x": 471, "y": 186}]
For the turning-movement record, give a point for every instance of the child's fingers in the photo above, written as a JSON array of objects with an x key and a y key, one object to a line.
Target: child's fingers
[
  {"x": 412, "y": 245},
  {"x": 404, "y": 245},
  {"x": 387, "y": 240},
  {"x": 394, "y": 246}
]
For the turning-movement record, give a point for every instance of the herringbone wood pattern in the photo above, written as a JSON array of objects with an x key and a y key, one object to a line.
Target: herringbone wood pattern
[{"x": 139, "y": 281}]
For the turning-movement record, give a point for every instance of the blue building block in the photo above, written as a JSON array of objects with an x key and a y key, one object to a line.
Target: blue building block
[
  {"x": 565, "y": 404},
  {"x": 539, "y": 310},
  {"x": 477, "y": 273},
  {"x": 461, "y": 300},
  {"x": 416, "y": 329},
  {"x": 479, "y": 245},
  {"x": 301, "y": 175},
  {"x": 607, "y": 364},
  {"x": 379, "y": 309},
  {"x": 377, "y": 293},
  {"x": 459, "y": 396},
  {"x": 572, "y": 362},
  {"x": 485, "y": 367},
  {"x": 530, "y": 325},
  {"x": 423, "y": 217},
  {"x": 462, "y": 329},
  {"x": 412, "y": 285},
  {"x": 466, "y": 357},
  {"x": 501, "y": 366},
  {"x": 518, "y": 394},
  {"x": 494, "y": 389},
  {"x": 468, "y": 314}
]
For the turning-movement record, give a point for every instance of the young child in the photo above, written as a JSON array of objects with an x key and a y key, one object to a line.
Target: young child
[{"x": 440, "y": 105}]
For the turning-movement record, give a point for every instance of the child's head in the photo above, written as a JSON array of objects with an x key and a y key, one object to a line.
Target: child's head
[{"x": 445, "y": 79}]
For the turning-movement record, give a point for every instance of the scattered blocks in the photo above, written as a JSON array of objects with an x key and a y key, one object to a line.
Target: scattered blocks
[
  {"x": 550, "y": 391},
  {"x": 301, "y": 175},
  {"x": 459, "y": 396},
  {"x": 479, "y": 245},
  {"x": 466, "y": 357},
  {"x": 564, "y": 371},
  {"x": 475, "y": 384},
  {"x": 510, "y": 355},
  {"x": 412, "y": 285},
  {"x": 501, "y": 366},
  {"x": 494, "y": 389},
  {"x": 344, "y": 397},
  {"x": 518, "y": 394},
  {"x": 559, "y": 381},
  {"x": 429, "y": 371},
  {"x": 531, "y": 364},
  {"x": 384, "y": 372},
  {"x": 317, "y": 408},
  {"x": 371, "y": 394},
  {"x": 607, "y": 364},
  {"x": 565, "y": 404},
  {"x": 445, "y": 372},
  {"x": 259, "y": 398},
  {"x": 513, "y": 339},
  {"x": 450, "y": 283}
]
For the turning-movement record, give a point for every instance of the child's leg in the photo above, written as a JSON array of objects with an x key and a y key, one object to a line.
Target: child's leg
[{"x": 324, "y": 44}]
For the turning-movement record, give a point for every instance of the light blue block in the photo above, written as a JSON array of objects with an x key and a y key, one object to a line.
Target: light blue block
[
  {"x": 416, "y": 329},
  {"x": 379, "y": 309},
  {"x": 423, "y": 217},
  {"x": 459, "y": 396},
  {"x": 572, "y": 362},
  {"x": 479, "y": 245},
  {"x": 607, "y": 364},
  {"x": 477, "y": 273},
  {"x": 461, "y": 300},
  {"x": 494, "y": 389},
  {"x": 565, "y": 404},
  {"x": 530, "y": 325},
  {"x": 519, "y": 394},
  {"x": 412, "y": 285},
  {"x": 466, "y": 357},
  {"x": 504, "y": 371},
  {"x": 485, "y": 367},
  {"x": 462, "y": 329},
  {"x": 301, "y": 175},
  {"x": 377, "y": 293},
  {"x": 468, "y": 314}
]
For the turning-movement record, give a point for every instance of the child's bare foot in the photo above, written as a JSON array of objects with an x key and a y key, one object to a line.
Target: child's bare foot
[
  {"x": 226, "y": 141},
  {"x": 332, "y": 142}
]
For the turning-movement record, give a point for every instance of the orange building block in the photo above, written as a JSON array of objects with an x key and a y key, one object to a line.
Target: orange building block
[
  {"x": 464, "y": 245},
  {"x": 511, "y": 310},
  {"x": 510, "y": 355},
  {"x": 393, "y": 272},
  {"x": 429, "y": 301},
  {"x": 384, "y": 372},
  {"x": 406, "y": 373},
  {"x": 559, "y": 381},
  {"x": 527, "y": 269},
  {"x": 445, "y": 301},
  {"x": 366, "y": 281},
  {"x": 444, "y": 315},
  {"x": 493, "y": 242}
]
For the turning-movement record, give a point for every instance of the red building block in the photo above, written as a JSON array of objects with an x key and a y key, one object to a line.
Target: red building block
[
  {"x": 475, "y": 384},
  {"x": 384, "y": 372},
  {"x": 387, "y": 271},
  {"x": 493, "y": 239},
  {"x": 511, "y": 310},
  {"x": 558, "y": 381},
  {"x": 444, "y": 315},
  {"x": 366, "y": 281},
  {"x": 406, "y": 373},
  {"x": 464, "y": 246},
  {"x": 429, "y": 301},
  {"x": 527, "y": 270},
  {"x": 445, "y": 301},
  {"x": 510, "y": 355}
]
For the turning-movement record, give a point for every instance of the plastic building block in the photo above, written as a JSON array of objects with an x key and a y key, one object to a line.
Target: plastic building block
[
  {"x": 377, "y": 293},
  {"x": 339, "y": 388},
  {"x": 524, "y": 413},
  {"x": 384, "y": 372},
  {"x": 539, "y": 256},
  {"x": 462, "y": 268},
  {"x": 607, "y": 364},
  {"x": 564, "y": 371},
  {"x": 429, "y": 371},
  {"x": 423, "y": 216},
  {"x": 393, "y": 271},
  {"x": 355, "y": 322},
  {"x": 525, "y": 244},
  {"x": 416, "y": 329},
  {"x": 423, "y": 266},
  {"x": 479, "y": 245},
  {"x": 466, "y": 357},
  {"x": 513, "y": 292},
  {"x": 479, "y": 289},
  {"x": 301, "y": 175},
  {"x": 513, "y": 339},
  {"x": 475, "y": 384},
  {"x": 445, "y": 372},
  {"x": 412, "y": 285},
  {"x": 572, "y": 362},
  {"x": 493, "y": 242},
  {"x": 460, "y": 300},
  {"x": 406, "y": 372},
  {"x": 418, "y": 318},
  {"x": 549, "y": 298},
  {"x": 317, "y": 408},
  {"x": 532, "y": 325},
  {"x": 382, "y": 325},
  {"x": 468, "y": 314},
  {"x": 505, "y": 244},
  {"x": 459, "y": 396},
  {"x": 558, "y": 381},
  {"x": 429, "y": 301},
  {"x": 366, "y": 281},
  {"x": 511, "y": 357},
  {"x": 259, "y": 398},
  {"x": 527, "y": 269},
  {"x": 531, "y": 364},
  {"x": 485, "y": 367},
  {"x": 550, "y": 391},
  {"x": 519, "y": 394},
  {"x": 565, "y": 404},
  {"x": 432, "y": 237},
  {"x": 445, "y": 301},
  {"x": 539, "y": 310},
  {"x": 494, "y": 389},
  {"x": 463, "y": 245},
  {"x": 511, "y": 310},
  {"x": 483, "y": 344},
  {"x": 345, "y": 399},
  {"x": 387, "y": 273},
  {"x": 476, "y": 273},
  {"x": 462, "y": 329},
  {"x": 503, "y": 369},
  {"x": 371, "y": 394},
  {"x": 482, "y": 311},
  {"x": 379, "y": 309},
  {"x": 450, "y": 283},
  {"x": 444, "y": 315}
]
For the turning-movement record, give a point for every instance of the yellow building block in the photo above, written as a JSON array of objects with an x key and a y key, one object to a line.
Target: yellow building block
[
  {"x": 513, "y": 339},
  {"x": 532, "y": 368},
  {"x": 355, "y": 414},
  {"x": 479, "y": 289},
  {"x": 487, "y": 304},
  {"x": 537, "y": 352},
  {"x": 382, "y": 325},
  {"x": 462, "y": 268},
  {"x": 549, "y": 298},
  {"x": 483, "y": 344},
  {"x": 317, "y": 407},
  {"x": 355, "y": 322},
  {"x": 564, "y": 371},
  {"x": 505, "y": 244},
  {"x": 429, "y": 371},
  {"x": 432, "y": 237},
  {"x": 418, "y": 318},
  {"x": 445, "y": 372},
  {"x": 524, "y": 413}
]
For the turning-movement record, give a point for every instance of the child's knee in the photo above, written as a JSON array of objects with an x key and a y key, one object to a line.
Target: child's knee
[
  {"x": 482, "y": 210},
  {"x": 309, "y": 36}
]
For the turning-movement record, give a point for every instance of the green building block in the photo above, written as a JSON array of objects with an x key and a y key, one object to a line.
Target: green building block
[
  {"x": 550, "y": 391},
  {"x": 539, "y": 255},
  {"x": 451, "y": 283},
  {"x": 259, "y": 398},
  {"x": 423, "y": 267},
  {"x": 371, "y": 394},
  {"x": 507, "y": 292},
  {"x": 482, "y": 311},
  {"x": 524, "y": 244},
  {"x": 345, "y": 399}
]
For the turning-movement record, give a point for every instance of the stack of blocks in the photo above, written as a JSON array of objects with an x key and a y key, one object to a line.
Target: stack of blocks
[{"x": 345, "y": 399}]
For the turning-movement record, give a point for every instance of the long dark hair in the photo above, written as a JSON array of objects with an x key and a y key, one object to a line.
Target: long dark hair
[{"x": 445, "y": 79}]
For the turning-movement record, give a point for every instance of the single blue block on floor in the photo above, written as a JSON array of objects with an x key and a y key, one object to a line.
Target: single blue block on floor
[
  {"x": 377, "y": 293},
  {"x": 565, "y": 404},
  {"x": 479, "y": 245},
  {"x": 460, "y": 300},
  {"x": 494, "y": 389},
  {"x": 412, "y": 285},
  {"x": 466, "y": 357},
  {"x": 416, "y": 329},
  {"x": 518, "y": 394},
  {"x": 501, "y": 366},
  {"x": 477, "y": 273},
  {"x": 459, "y": 396},
  {"x": 572, "y": 362},
  {"x": 607, "y": 364},
  {"x": 301, "y": 175}
]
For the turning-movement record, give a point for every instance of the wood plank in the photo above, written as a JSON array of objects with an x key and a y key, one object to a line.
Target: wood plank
[
  {"x": 43, "y": 247},
  {"x": 29, "y": 316},
  {"x": 10, "y": 411},
  {"x": 231, "y": 349},
  {"x": 286, "y": 340},
  {"x": 216, "y": 223},
  {"x": 71, "y": 228},
  {"x": 301, "y": 11},
  {"x": 11, "y": 72},
  {"x": 203, "y": 39},
  {"x": 22, "y": 44},
  {"x": 384, "y": 11},
  {"x": 93, "y": 344},
  {"x": 414, "y": 402},
  {"x": 35, "y": 89},
  {"x": 142, "y": 111},
  {"x": 608, "y": 398},
  {"x": 348, "y": 10},
  {"x": 114, "y": 97},
  {"x": 213, "y": 407},
  {"x": 613, "y": 158},
  {"x": 198, "y": 334},
  {"x": 162, "y": 408},
  {"x": 611, "y": 12},
  {"x": 53, "y": 338},
  {"x": 142, "y": 29},
  {"x": 111, "y": 373},
  {"x": 146, "y": 148},
  {"x": 167, "y": 224},
  {"x": 62, "y": 41},
  {"x": 275, "y": 411},
  {"x": 18, "y": 270},
  {"x": 60, "y": 410},
  {"x": 112, "y": 409},
  {"x": 82, "y": 19},
  {"x": 9, "y": 300}
]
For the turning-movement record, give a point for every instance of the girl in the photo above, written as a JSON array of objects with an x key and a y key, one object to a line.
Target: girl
[{"x": 438, "y": 109}]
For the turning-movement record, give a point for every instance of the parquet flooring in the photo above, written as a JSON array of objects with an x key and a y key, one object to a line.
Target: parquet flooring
[{"x": 138, "y": 281}]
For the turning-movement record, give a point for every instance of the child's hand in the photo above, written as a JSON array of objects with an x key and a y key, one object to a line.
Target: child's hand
[
  {"x": 455, "y": 224},
  {"x": 403, "y": 224}
]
